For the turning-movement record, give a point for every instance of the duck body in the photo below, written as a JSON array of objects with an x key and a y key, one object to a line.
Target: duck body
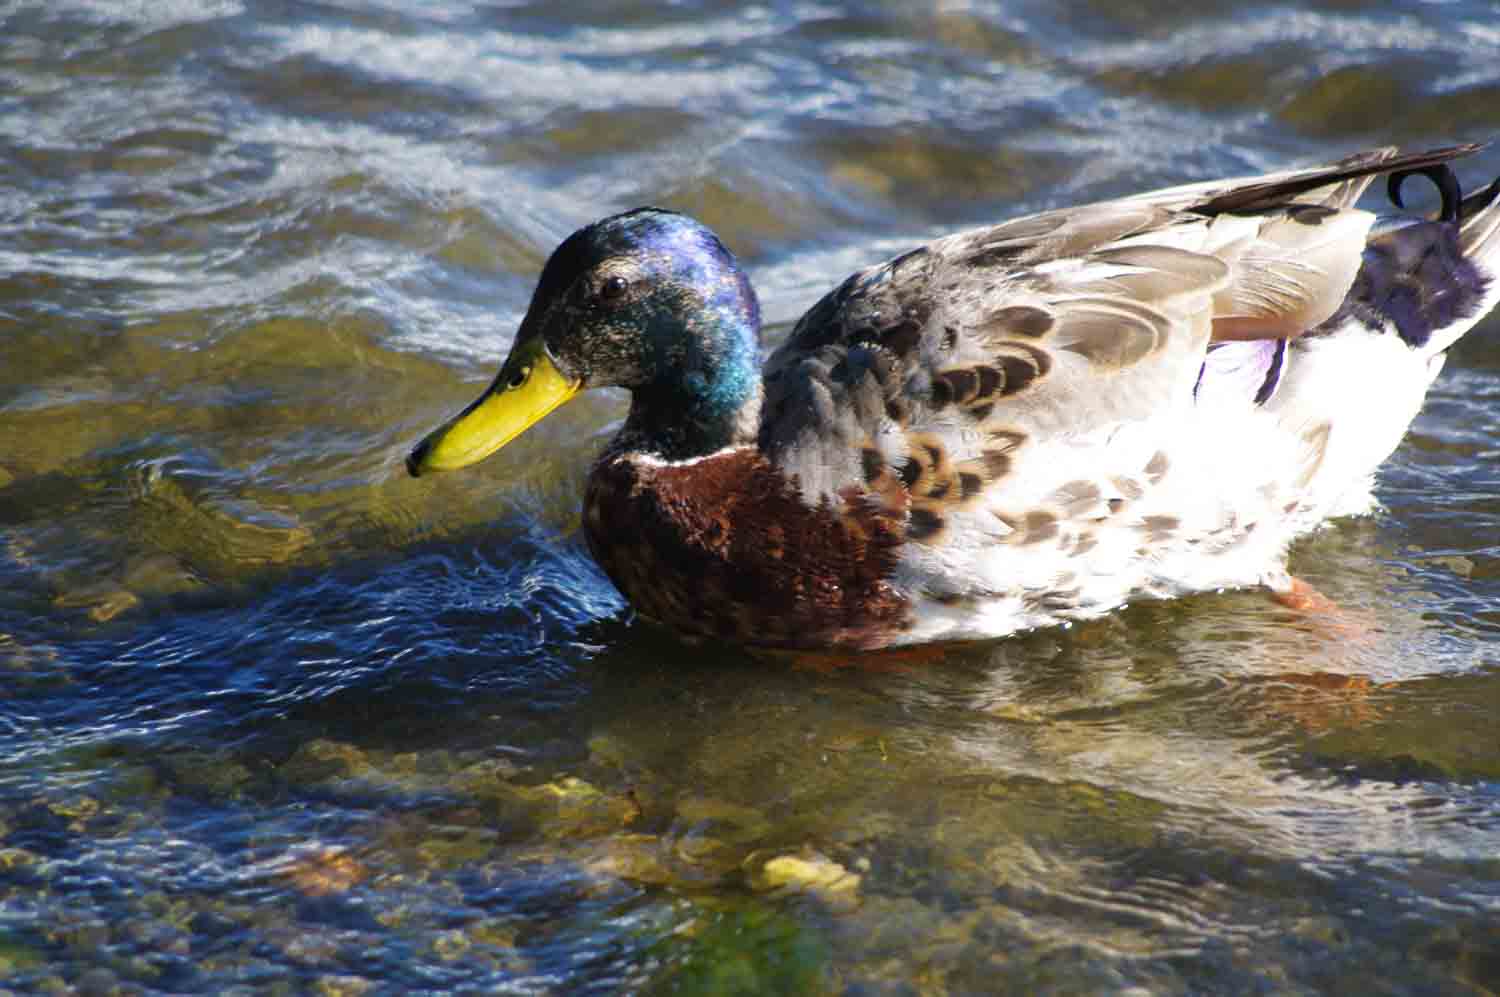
[{"x": 1009, "y": 428}]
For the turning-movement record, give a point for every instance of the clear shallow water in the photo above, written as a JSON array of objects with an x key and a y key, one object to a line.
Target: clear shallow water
[{"x": 276, "y": 717}]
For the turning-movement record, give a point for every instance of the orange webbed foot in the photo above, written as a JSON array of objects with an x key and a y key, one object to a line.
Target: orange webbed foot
[
  {"x": 1324, "y": 615},
  {"x": 1303, "y": 598}
]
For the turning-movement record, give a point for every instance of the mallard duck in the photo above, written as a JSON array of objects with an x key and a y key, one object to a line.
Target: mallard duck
[{"x": 1008, "y": 428}]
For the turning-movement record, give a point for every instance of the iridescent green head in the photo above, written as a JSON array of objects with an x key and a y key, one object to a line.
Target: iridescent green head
[{"x": 650, "y": 301}]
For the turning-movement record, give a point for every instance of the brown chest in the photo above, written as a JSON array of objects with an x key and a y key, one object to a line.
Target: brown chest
[{"x": 725, "y": 547}]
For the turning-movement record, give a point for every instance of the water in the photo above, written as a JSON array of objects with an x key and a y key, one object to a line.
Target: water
[{"x": 276, "y": 717}]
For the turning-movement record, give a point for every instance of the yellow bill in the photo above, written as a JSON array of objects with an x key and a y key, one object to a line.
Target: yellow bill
[{"x": 529, "y": 386}]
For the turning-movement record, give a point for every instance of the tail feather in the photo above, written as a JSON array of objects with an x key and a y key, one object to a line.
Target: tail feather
[
  {"x": 1430, "y": 280},
  {"x": 1351, "y": 174},
  {"x": 1479, "y": 243}
]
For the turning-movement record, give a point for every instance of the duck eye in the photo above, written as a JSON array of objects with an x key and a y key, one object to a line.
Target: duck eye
[
  {"x": 519, "y": 377},
  {"x": 613, "y": 289}
]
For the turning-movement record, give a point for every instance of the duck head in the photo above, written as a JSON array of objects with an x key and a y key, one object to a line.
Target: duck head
[{"x": 650, "y": 301}]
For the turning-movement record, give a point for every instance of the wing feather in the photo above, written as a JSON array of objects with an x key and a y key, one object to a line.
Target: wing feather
[{"x": 940, "y": 368}]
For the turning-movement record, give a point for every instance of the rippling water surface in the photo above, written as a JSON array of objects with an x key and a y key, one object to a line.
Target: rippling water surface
[{"x": 276, "y": 717}]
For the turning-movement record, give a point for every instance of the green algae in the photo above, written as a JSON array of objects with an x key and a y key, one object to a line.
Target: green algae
[
  {"x": 17, "y": 956},
  {"x": 742, "y": 949}
]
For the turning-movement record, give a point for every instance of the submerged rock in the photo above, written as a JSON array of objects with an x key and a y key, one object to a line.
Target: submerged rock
[
  {"x": 321, "y": 760},
  {"x": 222, "y": 536},
  {"x": 18, "y": 657},
  {"x": 321, "y": 870},
  {"x": 15, "y": 858},
  {"x": 450, "y": 847},
  {"x": 810, "y": 873},
  {"x": 581, "y": 809},
  {"x": 341, "y": 985},
  {"x": 207, "y": 774},
  {"x": 102, "y": 601},
  {"x": 639, "y": 858}
]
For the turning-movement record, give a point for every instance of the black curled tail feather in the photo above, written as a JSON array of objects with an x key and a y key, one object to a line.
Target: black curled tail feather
[{"x": 1442, "y": 176}]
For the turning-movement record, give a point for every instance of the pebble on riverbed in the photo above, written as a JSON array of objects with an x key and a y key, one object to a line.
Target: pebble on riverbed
[
  {"x": 102, "y": 601},
  {"x": 321, "y": 870},
  {"x": 341, "y": 985},
  {"x": 158, "y": 576},
  {"x": 810, "y": 873}
]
